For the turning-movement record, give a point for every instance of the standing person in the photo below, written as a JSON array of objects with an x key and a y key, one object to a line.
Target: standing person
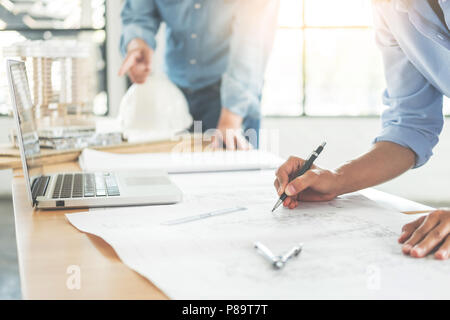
[
  {"x": 217, "y": 51},
  {"x": 414, "y": 39}
]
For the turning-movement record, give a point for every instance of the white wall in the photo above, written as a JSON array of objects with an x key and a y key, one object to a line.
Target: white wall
[
  {"x": 5, "y": 175},
  {"x": 116, "y": 84}
]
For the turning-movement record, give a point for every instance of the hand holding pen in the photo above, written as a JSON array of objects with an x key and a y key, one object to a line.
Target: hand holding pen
[{"x": 299, "y": 180}]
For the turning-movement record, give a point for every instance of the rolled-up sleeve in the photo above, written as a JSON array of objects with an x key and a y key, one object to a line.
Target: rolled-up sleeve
[
  {"x": 252, "y": 38},
  {"x": 140, "y": 19},
  {"x": 414, "y": 118}
]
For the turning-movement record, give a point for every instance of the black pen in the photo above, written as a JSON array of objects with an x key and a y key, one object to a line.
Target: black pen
[{"x": 306, "y": 166}]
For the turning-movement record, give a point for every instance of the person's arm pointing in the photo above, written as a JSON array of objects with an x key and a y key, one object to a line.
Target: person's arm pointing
[
  {"x": 137, "y": 63},
  {"x": 141, "y": 22}
]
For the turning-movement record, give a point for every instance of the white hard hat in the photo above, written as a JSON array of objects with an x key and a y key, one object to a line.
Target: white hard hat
[{"x": 155, "y": 110}]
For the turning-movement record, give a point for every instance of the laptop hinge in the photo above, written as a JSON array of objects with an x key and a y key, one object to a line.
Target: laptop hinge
[
  {"x": 33, "y": 193},
  {"x": 39, "y": 188}
]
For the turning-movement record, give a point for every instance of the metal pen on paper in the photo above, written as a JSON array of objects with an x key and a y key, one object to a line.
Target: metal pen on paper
[
  {"x": 204, "y": 216},
  {"x": 278, "y": 262}
]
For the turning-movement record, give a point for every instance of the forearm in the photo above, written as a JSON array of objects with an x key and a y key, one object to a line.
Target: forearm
[
  {"x": 385, "y": 161},
  {"x": 251, "y": 41},
  {"x": 140, "y": 20}
]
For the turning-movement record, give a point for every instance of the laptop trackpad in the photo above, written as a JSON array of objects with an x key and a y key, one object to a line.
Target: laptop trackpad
[{"x": 146, "y": 181}]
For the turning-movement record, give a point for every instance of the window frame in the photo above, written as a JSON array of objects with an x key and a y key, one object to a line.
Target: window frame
[
  {"x": 303, "y": 29},
  {"x": 75, "y": 31}
]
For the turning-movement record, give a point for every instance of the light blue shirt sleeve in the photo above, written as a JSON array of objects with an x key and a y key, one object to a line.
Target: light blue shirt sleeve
[
  {"x": 253, "y": 32},
  {"x": 445, "y": 5},
  {"x": 140, "y": 19},
  {"x": 414, "y": 118}
]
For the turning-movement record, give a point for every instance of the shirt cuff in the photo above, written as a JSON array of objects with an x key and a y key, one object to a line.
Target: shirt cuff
[
  {"x": 237, "y": 99},
  {"x": 133, "y": 31},
  {"x": 408, "y": 138}
]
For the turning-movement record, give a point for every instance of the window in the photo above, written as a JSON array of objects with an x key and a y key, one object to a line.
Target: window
[
  {"x": 446, "y": 106},
  {"x": 325, "y": 61},
  {"x": 82, "y": 20}
]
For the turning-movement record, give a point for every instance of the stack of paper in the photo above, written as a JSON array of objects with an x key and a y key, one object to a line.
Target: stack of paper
[
  {"x": 350, "y": 245},
  {"x": 178, "y": 162}
]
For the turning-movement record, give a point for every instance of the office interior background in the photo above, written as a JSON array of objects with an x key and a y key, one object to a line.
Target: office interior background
[{"x": 324, "y": 82}]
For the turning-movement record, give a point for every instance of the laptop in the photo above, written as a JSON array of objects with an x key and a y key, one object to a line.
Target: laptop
[{"x": 77, "y": 189}]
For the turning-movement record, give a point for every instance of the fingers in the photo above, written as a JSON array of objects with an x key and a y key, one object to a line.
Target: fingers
[
  {"x": 428, "y": 224},
  {"x": 230, "y": 142},
  {"x": 431, "y": 241},
  {"x": 234, "y": 140},
  {"x": 219, "y": 143},
  {"x": 281, "y": 181},
  {"x": 242, "y": 143},
  {"x": 301, "y": 183},
  {"x": 130, "y": 61},
  {"x": 282, "y": 174},
  {"x": 295, "y": 187},
  {"x": 139, "y": 73},
  {"x": 215, "y": 142},
  {"x": 444, "y": 250},
  {"x": 277, "y": 185},
  {"x": 290, "y": 203},
  {"x": 137, "y": 65},
  {"x": 409, "y": 228},
  {"x": 421, "y": 231}
]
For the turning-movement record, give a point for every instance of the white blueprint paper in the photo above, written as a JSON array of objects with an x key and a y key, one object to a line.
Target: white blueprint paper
[
  {"x": 350, "y": 245},
  {"x": 180, "y": 162}
]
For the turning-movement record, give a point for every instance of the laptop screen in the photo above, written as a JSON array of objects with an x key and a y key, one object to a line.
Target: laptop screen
[{"x": 27, "y": 136}]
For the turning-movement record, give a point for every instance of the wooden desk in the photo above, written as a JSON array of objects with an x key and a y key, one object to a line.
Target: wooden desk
[
  {"x": 48, "y": 244},
  {"x": 10, "y": 156}
]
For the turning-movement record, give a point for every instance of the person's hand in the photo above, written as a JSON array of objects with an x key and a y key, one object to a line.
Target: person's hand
[
  {"x": 137, "y": 63},
  {"x": 229, "y": 132},
  {"x": 315, "y": 185},
  {"x": 426, "y": 234}
]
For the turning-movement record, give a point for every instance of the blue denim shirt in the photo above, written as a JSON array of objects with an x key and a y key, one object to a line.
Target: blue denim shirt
[
  {"x": 415, "y": 45},
  {"x": 209, "y": 41}
]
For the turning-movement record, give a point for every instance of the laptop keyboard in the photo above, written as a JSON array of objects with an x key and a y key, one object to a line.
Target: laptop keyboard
[{"x": 85, "y": 185}]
